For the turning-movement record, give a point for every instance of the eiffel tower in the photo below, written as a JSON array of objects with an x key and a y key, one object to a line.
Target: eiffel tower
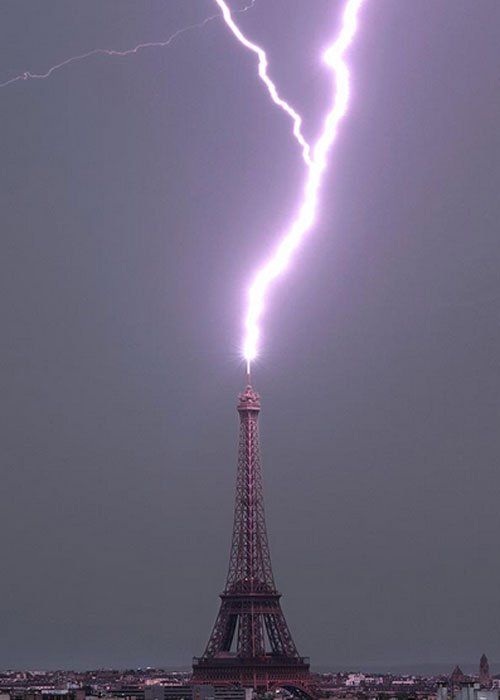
[{"x": 250, "y": 645}]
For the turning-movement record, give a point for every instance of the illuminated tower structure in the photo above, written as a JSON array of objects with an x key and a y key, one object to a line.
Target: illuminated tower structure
[{"x": 250, "y": 645}]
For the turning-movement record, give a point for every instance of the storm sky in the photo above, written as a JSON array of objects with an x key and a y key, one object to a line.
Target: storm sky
[{"x": 138, "y": 195}]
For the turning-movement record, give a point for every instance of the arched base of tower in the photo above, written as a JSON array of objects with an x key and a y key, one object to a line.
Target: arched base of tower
[{"x": 263, "y": 674}]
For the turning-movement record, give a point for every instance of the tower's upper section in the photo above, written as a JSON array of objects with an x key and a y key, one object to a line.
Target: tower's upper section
[
  {"x": 249, "y": 399},
  {"x": 250, "y": 562}
]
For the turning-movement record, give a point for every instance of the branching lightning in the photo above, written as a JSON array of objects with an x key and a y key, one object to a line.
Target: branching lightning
[
  {"x": 28, "y": 75},
  {"x": 264, "y": 76},
  {"x": 316, "y": 160},
  {"x": 314, "y": 155}
]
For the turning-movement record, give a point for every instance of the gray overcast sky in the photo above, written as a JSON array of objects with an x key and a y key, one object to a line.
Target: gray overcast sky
[{"x": 137, "y": 197}]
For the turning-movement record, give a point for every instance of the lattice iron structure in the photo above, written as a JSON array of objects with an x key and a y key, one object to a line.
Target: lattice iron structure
[{"x": 250, "y": 644}]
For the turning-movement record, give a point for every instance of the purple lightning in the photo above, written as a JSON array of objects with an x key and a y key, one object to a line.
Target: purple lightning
[
  {"x": 28, "y": 75},
  {"x": 316, "y": 164},
  {"x": 314, "y": 156}
]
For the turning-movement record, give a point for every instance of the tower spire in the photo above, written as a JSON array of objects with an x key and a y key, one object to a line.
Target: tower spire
[{"x": 484, "y": 672}]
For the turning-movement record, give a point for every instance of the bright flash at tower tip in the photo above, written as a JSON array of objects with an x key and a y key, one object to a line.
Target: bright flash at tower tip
[{"x": 316, "y": 161}]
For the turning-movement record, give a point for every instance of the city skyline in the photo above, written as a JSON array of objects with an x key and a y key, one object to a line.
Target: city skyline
[{"x": 161, "y": 684}]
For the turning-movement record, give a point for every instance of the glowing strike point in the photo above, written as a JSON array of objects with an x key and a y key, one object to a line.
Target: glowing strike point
[
  {"x": 263, "y": 74},
  {"x": 306, "y": 215}
]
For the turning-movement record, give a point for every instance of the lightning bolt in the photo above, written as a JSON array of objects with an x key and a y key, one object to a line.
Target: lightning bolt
[
  {"x": 28, "y": 75},
  {"x": 316, "y": 162},
  {"x": 315, "y": 156}
]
